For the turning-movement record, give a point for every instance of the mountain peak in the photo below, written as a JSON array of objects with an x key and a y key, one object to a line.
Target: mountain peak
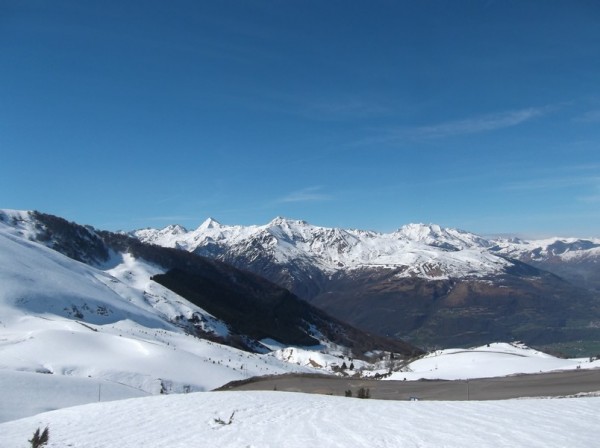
[
  {"x": 421, "y": 225},
  {"x": 419, "y": 231},
  {"x": 210, "y": 223},
  {"x": 280, "y": 220},
  {"x": 435, "y": 235},
  {"x": 175, "y": 229}
]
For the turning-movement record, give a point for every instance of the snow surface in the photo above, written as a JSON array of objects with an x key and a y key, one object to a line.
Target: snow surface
[
  {"x": 62, "y": 318},
  {"x": 280, "y": 419},
  {"x": 493, "y": 360},
  {"x": 310, "y": 358},
  {"x": 27, "y": 393}
]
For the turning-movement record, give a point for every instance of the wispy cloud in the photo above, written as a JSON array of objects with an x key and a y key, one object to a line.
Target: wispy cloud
[
  {"x": 472, "y": 125},
  {"x": 553, "y": 183},
  {"x": 310, "y": 194},
  {"x": 592, "y": 116},
  {"x": 483, "y": 123}
]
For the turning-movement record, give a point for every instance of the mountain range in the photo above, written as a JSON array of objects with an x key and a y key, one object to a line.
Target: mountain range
[
  {"x": 106, "y": 316},
  {"x": 89, "y": 315},
  {"x": 241, "y": 286},
  {"x": 244, "y": 307},
  {"x": 430, "y": 285}
]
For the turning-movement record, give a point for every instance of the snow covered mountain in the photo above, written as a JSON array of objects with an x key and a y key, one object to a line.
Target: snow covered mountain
[
  {"x": 423, "y": 282},
  {"x": 113, "y": 321},
  {"x": 426, "y": 251},
  {"x": 423, "y": 250},
  {"x": 575, "y": 259}
]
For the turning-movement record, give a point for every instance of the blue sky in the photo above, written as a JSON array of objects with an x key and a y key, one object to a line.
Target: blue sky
[{"x": 481, "y": 115}]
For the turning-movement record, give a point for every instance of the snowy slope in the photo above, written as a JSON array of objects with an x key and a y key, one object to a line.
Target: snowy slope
[
  {"x": 557, "y": 248},
  {"x": 437, "y": 236},
  {"x": 60, "y": 317},
  {"x": 38, "y": 280},
  {"x": 279, "y": 419},
  {"x": 574, "y": 259},
  {"x": 492, "y": 360},
  {"x": 28, "y": 393},
  {"x": 426, "y": 251}
]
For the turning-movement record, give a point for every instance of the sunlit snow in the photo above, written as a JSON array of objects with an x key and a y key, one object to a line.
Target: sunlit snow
[
  {"x": 280, "y": 419},
  {"x": 423, "y": 250}
]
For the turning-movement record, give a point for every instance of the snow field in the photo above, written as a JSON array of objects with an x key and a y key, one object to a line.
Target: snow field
[
  {"x": 495, "y": 360},
  {"x": 27, "y": 393},
  {"x": 146, "y": 360},
  {"x": 279, "y": 419}
]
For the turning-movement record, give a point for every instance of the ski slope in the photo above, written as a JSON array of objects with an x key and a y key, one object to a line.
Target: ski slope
[
  {"x": 290, "y": 420},
  {"x": 66, "y": 324}
]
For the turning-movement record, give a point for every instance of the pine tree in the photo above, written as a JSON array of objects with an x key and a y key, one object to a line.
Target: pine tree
[{"x": 39, "y": 440}]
